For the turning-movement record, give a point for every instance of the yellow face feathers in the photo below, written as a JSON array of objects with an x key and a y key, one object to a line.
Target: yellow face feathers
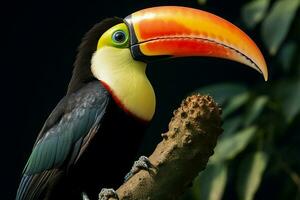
[
  {"x": 117, "y": 36},
  {"x": 112, "y": 63}
]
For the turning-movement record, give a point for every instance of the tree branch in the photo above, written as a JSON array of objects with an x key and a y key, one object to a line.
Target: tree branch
[{"x": 181, "y": 155}]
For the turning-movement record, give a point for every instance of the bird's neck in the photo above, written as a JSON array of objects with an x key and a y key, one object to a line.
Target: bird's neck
[{"x": 126, "y": 81}]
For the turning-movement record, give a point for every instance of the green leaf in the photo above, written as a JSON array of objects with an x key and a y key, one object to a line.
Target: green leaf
[
  {"x": 212, "y": 182},
  {"x": 235, "y": 103},
  {"x": 288, "y": 92},
  {"x": 255, "y": 109},
  {"x": 250, "y": 173},
  {"x": 228, "y": 147},
  {"x": 254, "y": 11},
  {"x": 286, "y": 55},
  {"x": 277, "y": 23},
  {"x": 297, "y": 65},
  {"x": 223, "y": 91},
  {"x": 230, "y": 126}
]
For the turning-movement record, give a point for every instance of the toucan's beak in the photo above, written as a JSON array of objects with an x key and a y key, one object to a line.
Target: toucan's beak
[{"x": 179, "y": 31}]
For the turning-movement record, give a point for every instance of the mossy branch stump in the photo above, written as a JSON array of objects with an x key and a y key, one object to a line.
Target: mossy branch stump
[{"x": 181, "y": 155}]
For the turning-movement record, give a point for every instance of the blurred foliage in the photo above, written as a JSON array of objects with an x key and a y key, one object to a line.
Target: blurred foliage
[
  {"x": 261, "y": 138},
  {"x": 201, "y": 2},
  {"x": 277, "y": 23}
]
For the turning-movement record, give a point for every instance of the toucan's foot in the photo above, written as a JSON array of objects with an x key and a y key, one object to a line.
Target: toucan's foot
[
  {"x": 106, "y": 194},
  {"x": 142, "y": 163}
]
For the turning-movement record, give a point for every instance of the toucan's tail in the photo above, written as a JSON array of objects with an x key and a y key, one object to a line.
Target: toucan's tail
[
  {"x": 23, "y": 187},
  {"x": 38, "y": 186}
]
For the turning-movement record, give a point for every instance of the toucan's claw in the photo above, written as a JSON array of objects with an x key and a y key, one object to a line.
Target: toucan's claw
[
  {"x": 85, "y": 196},
  {"x": 107, "y": 193},
  {"x": 142, "y": 163}
]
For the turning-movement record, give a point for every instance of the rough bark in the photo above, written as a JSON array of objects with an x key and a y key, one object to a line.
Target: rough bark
[{"x": 183, "y": 152}]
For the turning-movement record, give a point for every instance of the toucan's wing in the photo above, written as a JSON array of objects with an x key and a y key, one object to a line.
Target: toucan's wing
[{"x": 75, "y": 119}]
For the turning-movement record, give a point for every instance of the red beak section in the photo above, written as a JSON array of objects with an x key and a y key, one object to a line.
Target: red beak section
[{"x": 179, "y": 32}]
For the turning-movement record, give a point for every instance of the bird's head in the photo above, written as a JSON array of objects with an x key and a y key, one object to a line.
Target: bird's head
[{"x": 120, "y": 52}]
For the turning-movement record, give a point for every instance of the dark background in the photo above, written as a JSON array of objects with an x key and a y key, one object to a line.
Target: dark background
[{"x": 38, "y": 50}]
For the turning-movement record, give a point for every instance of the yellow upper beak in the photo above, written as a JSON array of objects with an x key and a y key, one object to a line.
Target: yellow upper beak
[{"x": 180, "y": 31}]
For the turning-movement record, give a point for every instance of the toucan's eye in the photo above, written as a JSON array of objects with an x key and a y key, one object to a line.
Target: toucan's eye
[{"x": 119, "y": 37}]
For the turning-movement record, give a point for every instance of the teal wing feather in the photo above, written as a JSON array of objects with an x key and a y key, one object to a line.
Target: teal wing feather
[
  {"x": 59, "y": 143},
  {"x": 52, "y": 150}
]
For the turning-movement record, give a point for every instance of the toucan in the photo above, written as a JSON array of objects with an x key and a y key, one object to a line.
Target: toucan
[{"x": 91, "y": 138}]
